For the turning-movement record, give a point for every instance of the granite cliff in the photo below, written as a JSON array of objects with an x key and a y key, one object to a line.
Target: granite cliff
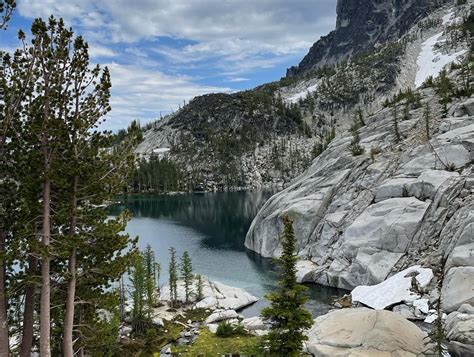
[{"x": 362, "y": 25}]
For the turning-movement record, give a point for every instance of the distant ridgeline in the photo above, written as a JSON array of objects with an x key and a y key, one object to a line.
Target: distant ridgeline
[{"x": 269, "y": 135}]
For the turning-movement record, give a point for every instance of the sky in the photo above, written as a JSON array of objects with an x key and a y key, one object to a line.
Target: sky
[{"x": 162, "y": 53}]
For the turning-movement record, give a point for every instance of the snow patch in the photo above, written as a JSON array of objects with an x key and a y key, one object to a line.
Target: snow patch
[
  {"x": 394, "y": 290},
  {"x": 161, "y": 150},
  {"x": 303, "y": 94},
  {"x": 431, "y": 62},
  {"x": 449, "y": 19}
]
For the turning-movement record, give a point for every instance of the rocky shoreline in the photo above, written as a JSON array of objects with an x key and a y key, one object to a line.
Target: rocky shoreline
[{"x": 381, "y": 318}]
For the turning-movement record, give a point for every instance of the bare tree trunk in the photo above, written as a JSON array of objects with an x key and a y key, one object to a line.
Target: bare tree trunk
[
  {"x": 68, "y": 350},
  {"x": 4, "y": 341},
  {"x": 29, "y": 311},
  {"x": 45, "y": 303}
]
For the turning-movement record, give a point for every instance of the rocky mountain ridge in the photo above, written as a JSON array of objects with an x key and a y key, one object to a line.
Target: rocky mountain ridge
[
  {"x": 362, "y": 25},
  {"x": 269, "y": 135},
  {"x": 395, "y": 193}
]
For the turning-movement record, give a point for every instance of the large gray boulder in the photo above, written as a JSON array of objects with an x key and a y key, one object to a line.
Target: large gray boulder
[
  {"x": 458, "y": 288},
  {"x": 364, "y": 332},
  {"x": 459, "y": 329}
]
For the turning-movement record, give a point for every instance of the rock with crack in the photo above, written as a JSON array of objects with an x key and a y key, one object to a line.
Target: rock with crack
[
  {"x": 305, "y": 270},
  {"x": 459, "y": 329},
  {"x": 364, "y": 332},
  {"x": 397, "y": 289},
  {"x": 374, "y": 242},
  {"x": 254, "y": 323},
  {"x": 458, "y": 288}
]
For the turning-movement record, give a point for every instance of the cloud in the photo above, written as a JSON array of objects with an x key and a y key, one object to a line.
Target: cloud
[
  {"x": 237, "y": 79},
  {"x": 167, "y": 51},
  {"x": 219, "y": 27},
  {"x": 99, "y": 51},
  {"x": 141, "y": 93}
]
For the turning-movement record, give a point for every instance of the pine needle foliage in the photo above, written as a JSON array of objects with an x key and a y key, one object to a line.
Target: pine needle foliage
[{"x": 286, "y": 312}]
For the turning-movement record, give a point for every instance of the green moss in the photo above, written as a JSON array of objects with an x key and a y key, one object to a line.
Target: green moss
[
  {"x": 207, "y": 344},
  {"x": 195, "y": 315},
  {"x": 155, "y": 339}
]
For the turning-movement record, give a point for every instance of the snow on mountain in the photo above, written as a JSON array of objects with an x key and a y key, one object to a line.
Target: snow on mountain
[
  {"x": 434, "y": 56},
  {"x": 431, "y": 62},
  {"x": 303, "y": 94}
]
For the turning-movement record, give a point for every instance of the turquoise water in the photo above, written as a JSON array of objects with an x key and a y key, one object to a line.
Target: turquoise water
[{"x": 212, "y": 228}]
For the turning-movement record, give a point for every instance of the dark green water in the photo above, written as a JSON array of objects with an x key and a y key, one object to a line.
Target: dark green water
[{"x": 212, "y": 228}]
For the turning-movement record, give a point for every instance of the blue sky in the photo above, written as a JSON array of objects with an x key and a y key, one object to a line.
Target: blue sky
[{"x": 164, "y": 52}]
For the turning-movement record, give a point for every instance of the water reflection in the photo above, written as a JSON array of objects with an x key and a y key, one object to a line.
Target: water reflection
[
  {"x": 212, "y": 228},
  {"x": 222, "y": 217}
]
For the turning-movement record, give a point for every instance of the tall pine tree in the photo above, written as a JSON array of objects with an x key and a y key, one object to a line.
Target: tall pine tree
[
  {"x": 286, "y": 312},
  {"x": 187, "y": 274},
  {"x": 173, "y": 277}
]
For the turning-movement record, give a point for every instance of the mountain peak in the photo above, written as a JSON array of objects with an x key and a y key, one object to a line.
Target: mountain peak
[{"x": 360, "y": 26}]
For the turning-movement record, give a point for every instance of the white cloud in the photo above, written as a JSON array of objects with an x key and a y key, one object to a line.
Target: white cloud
[
  {"x": 225, "y": 39},
  {"x": 219, "y": 27},
  {"x": 96, "y": 50},
  {"x": 237, "y": 79},
  {"x": 141, "y": 93}
]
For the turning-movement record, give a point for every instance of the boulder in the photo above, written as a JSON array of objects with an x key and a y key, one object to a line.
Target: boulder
[
  {"x": 394, "y": 290},
  {"x": 388, "y": 225},
  {"x": 216, "y": 296},
  {"x": 254, "y": 323},
  {"x": 424, "y": 159},
  {"x": 213, "y": 327},
  {"x": 466, "y": 107},
  {"x": 364, "y": 332},
  {"x": 405, "y": 310},
  {"x": 458, "y": 288},
  {"x": 126, "y": 330},
  {"x": 462, "y": 255},
  {"x": 457, "y": 349},
  {"x": 392, "y": 188},
  {"x": 460, "y": 327},
  {"x": 221, "y": 316},
  {"x": 428, "y": 183},
  {"x": 305, "y": 270}
]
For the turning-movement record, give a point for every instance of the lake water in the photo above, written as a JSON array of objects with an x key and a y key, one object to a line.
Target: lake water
[{"x": 212, "y": 228}]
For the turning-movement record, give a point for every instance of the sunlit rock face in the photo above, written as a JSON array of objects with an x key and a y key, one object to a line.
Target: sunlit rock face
[
  {"x": 361, "y": 25},
  {"x": 359, "y": 220}
]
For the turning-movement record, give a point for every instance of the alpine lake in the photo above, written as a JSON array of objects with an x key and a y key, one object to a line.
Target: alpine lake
[{"x": 212, "y": 228}]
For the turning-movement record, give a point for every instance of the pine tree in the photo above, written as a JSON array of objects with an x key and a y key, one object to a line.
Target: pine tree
[
  {"x": 355, "y": 148},
  {"x": 360, "y": 117},
  {"x": 199, "y": 287},
  {"x": 406, "y": 111},
  {"x": 444, "y": 88},
  {"x": 6, "y": 11},
  {"x": 173, "y": 277},
  {"x": 426, "y": 117},
  {"x": 139, "y": 282},
  {"x": 157, "y": 275},
  {"x": 187, "y": 274},
  {"x": 55, "y": 101},
  {"x": 396, "y": 132},
  {"x": 286, "y": 311},
  {"x": 150, "y": 266}
]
